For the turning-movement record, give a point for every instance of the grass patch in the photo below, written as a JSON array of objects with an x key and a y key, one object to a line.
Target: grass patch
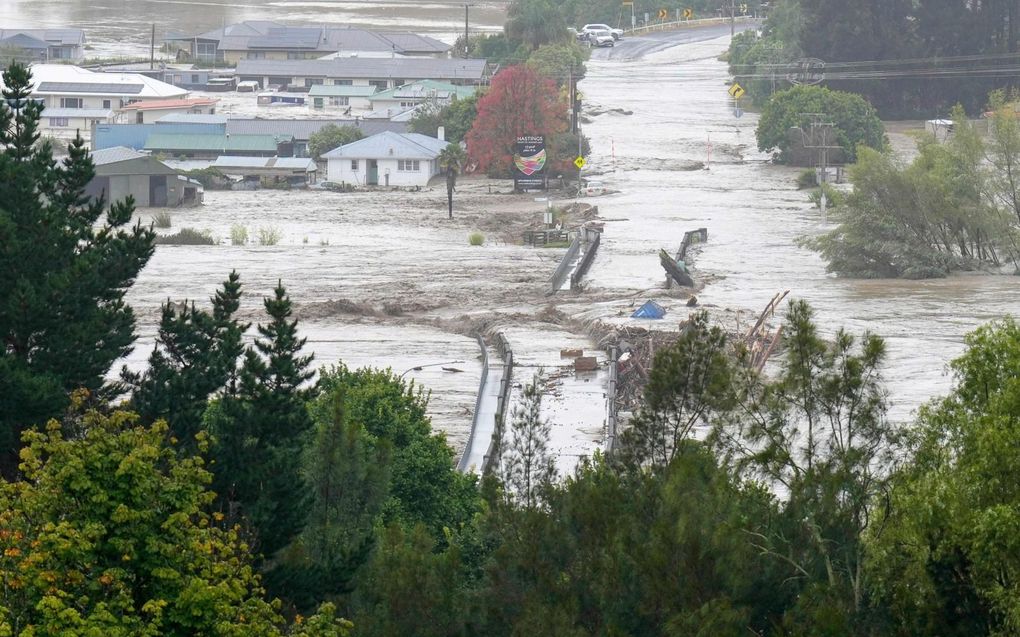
[
  {"x": 807, "y": 179},
  {"x": 269, "y": 236},
  {"x": 833, "y": 197},
  {"x": 238, "y": 235},
  {"x": 187, "y": 237},
  {"x": 161, "y": 220},
  {"x": 557, "y": 244},
  {"x": 476, "y": 238}
]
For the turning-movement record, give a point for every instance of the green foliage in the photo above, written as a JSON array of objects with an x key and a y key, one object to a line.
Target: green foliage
[
  {"x": 63, "y": 320},
  {"x": 691, "y": 380},
  {"x": 210, "y": 178},
  {"x": 238, "y": 235},
  {"x": 928, "y": 218},
  {"x": 526, "y": 468},
  {"x": 819, "y": 433},
  {"x": 560, "y": 60},
  {"x": 332, "y": 136},
  {"x": 476, "y": 239},
  {"x": 855, "y": 122},
  {"x": 752, "y": 55},
  {"x": 109, "y": 534},
  {"x": 162, "y": 220},
  {"x": 535, "y": 22},
  {"x": 186, "y": 237},
  {"x": 195, "y": 355},
  {"x": 807, "y": 178},
  {"x": 456, "y": 118},
  {"x": 269, "y": 236},
  {"x": 948, "y": 561},
  {"x": 833, "y": 197},
  {"x": 452, "y": 160},
  {"x": 260, "y": 426}
]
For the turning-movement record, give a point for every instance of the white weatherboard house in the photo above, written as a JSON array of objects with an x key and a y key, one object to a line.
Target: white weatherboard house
[
  {"x": 386, "y": 159},
  {"x": 76, "y": 98}
]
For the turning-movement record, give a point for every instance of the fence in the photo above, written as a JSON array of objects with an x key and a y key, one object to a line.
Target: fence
[
  {"x": 560, "y": 275},
  {"x": 462, "y": 465},
  {"x": 611, "y": 387},
  {"x": 502, "y": 403},
  {"x": 541, "y": 238},
  {"x": 589, "y": 256}
]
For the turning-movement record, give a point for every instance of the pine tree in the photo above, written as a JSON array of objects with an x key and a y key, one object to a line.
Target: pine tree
[
  {"x": 195, "y": 356},
  {"x": 261, "y": 430},
  {"x": 526, "y": 466},
  {"x": 63, "y": 320}
]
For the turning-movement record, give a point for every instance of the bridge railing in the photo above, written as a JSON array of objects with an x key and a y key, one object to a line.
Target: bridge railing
[{"x": 684, "y": 24}]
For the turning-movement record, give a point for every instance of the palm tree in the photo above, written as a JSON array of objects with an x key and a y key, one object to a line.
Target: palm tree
[{"x": 452, "y": 159}]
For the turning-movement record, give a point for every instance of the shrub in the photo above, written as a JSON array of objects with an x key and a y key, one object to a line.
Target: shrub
[
  {"x": 476, "y": 238},
  {"x": 269, "y": 236},
  {"x": 187, "y": 237},
  {"x": 238, "y": 235},
  {"x": 833, "y": 197},
  {"x": 210, "y": 178},
  {"x": 855, "y": 123},
  {"x": 161, "y": 220},
  {"x": 807, "y": 179}
]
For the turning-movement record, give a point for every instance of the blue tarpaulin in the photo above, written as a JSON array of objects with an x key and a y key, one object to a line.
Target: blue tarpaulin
[{"x": 650, "y": 310}]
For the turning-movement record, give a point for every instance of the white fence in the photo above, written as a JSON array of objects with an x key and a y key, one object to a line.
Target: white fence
[{"x": 685, "y": 24}]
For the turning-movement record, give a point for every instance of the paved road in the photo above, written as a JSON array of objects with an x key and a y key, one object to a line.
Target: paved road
[{"x": 632, "y": 48}]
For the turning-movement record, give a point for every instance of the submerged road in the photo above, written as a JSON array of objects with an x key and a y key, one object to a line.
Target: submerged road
[{"x": 636, "y": 47}]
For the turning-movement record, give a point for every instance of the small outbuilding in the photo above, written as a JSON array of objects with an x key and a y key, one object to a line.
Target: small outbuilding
[
  {"x": 295, "y": 171},
  {"x": 122, "y": 171},
  {"x": 386, "y": 159}
]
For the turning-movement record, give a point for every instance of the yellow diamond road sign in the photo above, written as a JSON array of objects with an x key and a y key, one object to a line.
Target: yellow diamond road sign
[
  {"x": 663, "y": 14},
  {"x": 688, "y": 14},
  {"x": 736, "y": 91},
  {"x": 579, "y": 162}
]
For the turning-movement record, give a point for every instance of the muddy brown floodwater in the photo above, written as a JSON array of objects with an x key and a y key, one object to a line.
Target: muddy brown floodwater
[{"x": 754, "y": 217}]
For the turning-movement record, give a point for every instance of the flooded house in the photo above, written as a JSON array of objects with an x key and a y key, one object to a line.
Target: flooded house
[
  {"x": 414, "y": 94},
  {"x": 122, "y": 171},
  {"x": 77, "y": 99},
  {"x": 267, "y": 40},
  {"x": 386, "y": 159},
  {"x": 155, "y": 110},
  {"x": 43, "y": 45},
  {"x": 381, "y": 73}
]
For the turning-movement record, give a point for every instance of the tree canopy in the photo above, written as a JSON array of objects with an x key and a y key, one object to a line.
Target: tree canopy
[{"x": 330, "y": 137}]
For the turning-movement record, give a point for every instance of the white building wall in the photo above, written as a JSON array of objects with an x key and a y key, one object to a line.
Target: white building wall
[{"x": 339, "y": 170}]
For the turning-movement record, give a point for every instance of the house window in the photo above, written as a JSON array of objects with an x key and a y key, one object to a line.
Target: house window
[
  {"x": 312, "y": 81},
  {"x": 340, "y": 101},
  {"x": 408, "y": 104},
  {"x": 380, "y": 85},
  {"x": 70, "y": 102},
  {"x": 194, "y": 79},
  {"x": 106, "y": 104},
  {"x": 354, "y": 164},
  {"x": 408, "y": 165},
  {"x": 256, "y": 55},
  {"x": 206, "y": 49},
  {"x": 343, "y": 82},
  {"x": 58, "y": 122}
]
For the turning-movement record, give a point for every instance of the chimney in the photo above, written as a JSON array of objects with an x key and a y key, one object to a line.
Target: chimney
[{"x": 441, "y": 134}]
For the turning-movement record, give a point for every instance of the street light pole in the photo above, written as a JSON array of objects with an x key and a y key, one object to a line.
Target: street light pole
[
  {"x": 418, "y": 368},
  {"x": 467, "y": 45}
]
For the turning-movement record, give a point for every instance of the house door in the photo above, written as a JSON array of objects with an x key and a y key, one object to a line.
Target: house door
[{"x": 372, "y": 178}]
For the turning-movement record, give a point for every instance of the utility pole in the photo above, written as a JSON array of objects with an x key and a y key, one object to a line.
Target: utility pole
[
  {"x": 152, "y": 48},
  {"x": 733, "y": 18},
  {"x": 821, "y": 133},
  {"x": 467, "y": 44}
]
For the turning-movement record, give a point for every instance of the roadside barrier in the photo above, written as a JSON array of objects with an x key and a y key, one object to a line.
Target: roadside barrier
[
  {"x": 502, "y": 404},
  {"x": 560, "y": 275},
  {"x": 462, "y": 466},
  {"x": 593, "y": 243},
  {"x": 612, "y": 421}
]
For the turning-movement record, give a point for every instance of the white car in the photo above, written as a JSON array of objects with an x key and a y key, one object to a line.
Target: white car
[
  {"x": 616, "y": 33},
  {"x": 600, "y": 38}
]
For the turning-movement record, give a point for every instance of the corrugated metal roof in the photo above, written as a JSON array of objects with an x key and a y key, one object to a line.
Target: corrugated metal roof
[
  {"x": 176, "y": 103},
  {"x": 114, "y": 155},
  {"x": 236, "y": 143},
  {"x": 339, "y": 90},
  {"x": 415, "y": 43},
  {"x": 425, "y": 88},
  {"x": 303, "y": 129},
  {"x": 74, "y": 80},
  {"x": 293, "y": 163},
  {"x": 390, "y": 146},
  {"x": 287, "y": 38},
  {"x": 260, "y": 34},
  {"x": 367, "y": 68}
]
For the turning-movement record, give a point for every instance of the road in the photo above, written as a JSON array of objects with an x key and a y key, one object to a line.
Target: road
[{"x": 632, "y": 48}]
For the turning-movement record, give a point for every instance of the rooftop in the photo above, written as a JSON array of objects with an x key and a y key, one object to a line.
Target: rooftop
[
  {"x": 223, "y": 143},
  {"x": 192, "y": 118},
  {"x": 338, "y": 90},
  {"x": 369, "y": 68},
  {"x": 426, "y": 88},
  {"x": 74, "y": 80},
  {"x": 114, "y": 155},
  {"x": 77, "y": 112},
  {"x": 50, "y": 36},
  {"x": 292, "y": 163},
  {"x": 391, "y": 145},
  {"x": 303, "y": 129}
]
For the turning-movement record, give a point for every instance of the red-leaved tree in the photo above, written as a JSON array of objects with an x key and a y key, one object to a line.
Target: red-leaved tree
[{"x": 519, "y": 102}]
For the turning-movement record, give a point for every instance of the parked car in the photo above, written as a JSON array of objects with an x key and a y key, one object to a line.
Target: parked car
[
  {"x": 616, "y": 33},
  {"x": 600, "y": 38}
]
